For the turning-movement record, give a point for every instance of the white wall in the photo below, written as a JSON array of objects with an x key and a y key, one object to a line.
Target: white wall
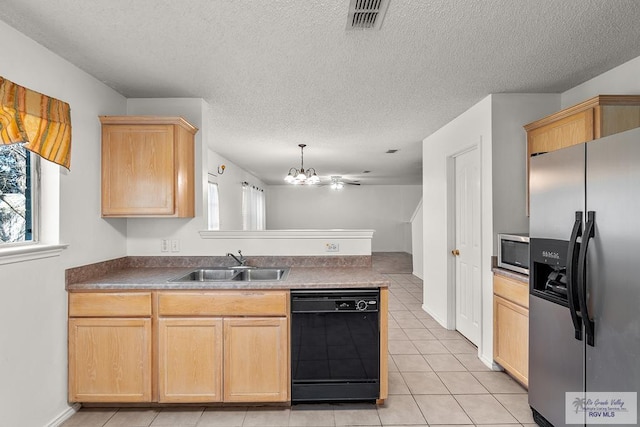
[
  {"x": 622, "y": 80},
  {"x": 472, "y": 128},
  {"x": 385, "y": 208},
  {"x": 292, "y": 242},
  {"x": 417, "y": 241},
  {"x": 230, "y": 190},
  {"x": 509, "y": 172},
  {"x": 495, "y": 126},
  {"x": 144, "y": 234},
  {"x": 33, "y": 307}
]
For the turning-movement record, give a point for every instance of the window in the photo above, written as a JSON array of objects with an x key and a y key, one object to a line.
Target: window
[
  {"x": 19, "y": 191},
  {"x": 253, "y": 208},
  {"x": 214, "y": 206}
]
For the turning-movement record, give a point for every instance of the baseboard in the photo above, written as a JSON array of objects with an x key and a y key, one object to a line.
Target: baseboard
[
  {"x": 435, "y": 316},
  {"x": 60, "y": 419},
  {"x": 490, "y": 363}
]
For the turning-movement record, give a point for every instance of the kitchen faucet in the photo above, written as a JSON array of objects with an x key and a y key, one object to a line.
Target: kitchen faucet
[{"x": 241, "y": 261}]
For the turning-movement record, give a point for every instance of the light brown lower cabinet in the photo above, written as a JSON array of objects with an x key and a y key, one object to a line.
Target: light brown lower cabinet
[
  {"x": 109, "y": 360},
  {"x": 223, "y": 346},
  {"x": 256, "y": 367},
  {"x": 193, "y": 361},
  {"x": 185, "y": 346},
  {"x": 511, "y": 327},
  {"x": 190, "y": 360},
  {"x": 110, "y": 347}
]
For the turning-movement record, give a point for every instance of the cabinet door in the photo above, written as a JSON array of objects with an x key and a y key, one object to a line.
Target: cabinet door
[
  {"x": 109, "y": 360},
  {"x": 572, "y": 130},
  {"x": 256, "y": 360},
  {"x": 190, "y": 360},
  {"x": 511, "y": 338},
  {"x": 616, "y": 118},
  {"x": 138, "y": 170}
]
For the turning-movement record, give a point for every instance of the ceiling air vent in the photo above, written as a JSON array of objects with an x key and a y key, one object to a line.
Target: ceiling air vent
[{"x": 366, "y": 14}]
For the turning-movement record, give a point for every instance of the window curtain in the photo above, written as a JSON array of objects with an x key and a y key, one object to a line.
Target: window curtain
[
  {"x": 214, "y": 207},
  {"x": 253, "y": 208},
  {"x": 41, "y": 123}
]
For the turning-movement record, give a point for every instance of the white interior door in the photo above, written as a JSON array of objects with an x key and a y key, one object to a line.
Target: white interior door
[{"x": 467, "y": 240}]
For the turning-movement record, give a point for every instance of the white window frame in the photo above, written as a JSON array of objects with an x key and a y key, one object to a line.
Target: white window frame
[
  {"x": 213, "y": 200},
  {"x": 45, "y": 230}
]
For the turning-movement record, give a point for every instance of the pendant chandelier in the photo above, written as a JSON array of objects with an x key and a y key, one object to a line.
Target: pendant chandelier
[{"x": 302, "y": 176}]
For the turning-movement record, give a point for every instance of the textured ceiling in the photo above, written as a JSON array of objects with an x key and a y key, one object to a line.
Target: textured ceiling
[{"x": 278, "y": 73}]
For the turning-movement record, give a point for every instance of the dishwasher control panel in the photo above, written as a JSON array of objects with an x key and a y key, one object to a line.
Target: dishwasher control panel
[{"x": 334, "y": 300}]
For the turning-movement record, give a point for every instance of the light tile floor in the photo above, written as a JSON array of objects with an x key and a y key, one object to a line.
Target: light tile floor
[{"x": 435, "y": 379}]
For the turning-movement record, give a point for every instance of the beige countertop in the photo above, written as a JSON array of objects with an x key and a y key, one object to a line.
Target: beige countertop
[
  {"x": 511, "y": 274},
  {"x": 156, "y": 278}
]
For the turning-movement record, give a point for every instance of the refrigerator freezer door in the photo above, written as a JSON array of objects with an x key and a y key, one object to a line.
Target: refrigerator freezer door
[
  {"x": 613, "y": 280},
  {"x": 556, "y": 185},
  {"x": 556, "y": 358}
]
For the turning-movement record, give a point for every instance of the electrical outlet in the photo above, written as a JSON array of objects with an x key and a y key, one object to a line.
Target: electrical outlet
[
  {"x": 164, "y": 245},
  {"x": 332, "y": 247},
  {"x": 175, "y": 245}
]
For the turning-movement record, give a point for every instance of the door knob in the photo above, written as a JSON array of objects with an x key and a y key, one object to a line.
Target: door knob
[{"x": 455, "y": 252}]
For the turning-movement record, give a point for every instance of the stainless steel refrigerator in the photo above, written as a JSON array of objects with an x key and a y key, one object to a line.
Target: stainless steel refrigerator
[{"x": 584, "y": 312}]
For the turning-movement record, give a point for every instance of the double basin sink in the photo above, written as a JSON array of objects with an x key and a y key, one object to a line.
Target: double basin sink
[{"x": 234, "y": 274}]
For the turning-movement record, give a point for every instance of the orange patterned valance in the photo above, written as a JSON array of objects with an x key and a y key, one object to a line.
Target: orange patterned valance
[{"x": 42, "y": 123}]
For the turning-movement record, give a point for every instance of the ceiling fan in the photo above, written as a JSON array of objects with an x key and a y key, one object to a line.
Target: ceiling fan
[{"x": 337, "y": 182}]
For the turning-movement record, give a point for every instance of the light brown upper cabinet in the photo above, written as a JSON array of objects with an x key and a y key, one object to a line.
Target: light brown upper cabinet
[
  {"x": 594, "y": 118},
  {"x": 147, "y": 166}
]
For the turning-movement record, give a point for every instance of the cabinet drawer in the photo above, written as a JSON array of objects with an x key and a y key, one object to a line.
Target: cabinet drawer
[
  {"x": 511, "y": 290},
  {"x": 223, "y": 303},
  {"x": 110, "y": 304}
]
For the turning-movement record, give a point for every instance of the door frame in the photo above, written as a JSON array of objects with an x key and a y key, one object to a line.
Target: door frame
[{"x": 451, "y": 235}]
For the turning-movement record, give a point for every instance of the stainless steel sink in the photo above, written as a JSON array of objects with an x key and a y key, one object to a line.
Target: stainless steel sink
[
  {"x": 206, "y": 275},
  {"x": 235, "y": 274},
  {"x": 265, "y": 274}
]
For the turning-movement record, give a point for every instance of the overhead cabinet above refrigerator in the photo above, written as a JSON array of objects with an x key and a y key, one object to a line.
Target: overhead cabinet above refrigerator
[{"x": 584, "y": 283}]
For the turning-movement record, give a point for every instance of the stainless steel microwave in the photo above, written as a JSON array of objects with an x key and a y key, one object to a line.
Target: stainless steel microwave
[{"x": 513, "y": 252}]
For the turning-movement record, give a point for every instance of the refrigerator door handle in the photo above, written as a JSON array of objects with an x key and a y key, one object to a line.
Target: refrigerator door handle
[
  {"x": 589, "y": 233},
  {"x": 572, "y": 286}
]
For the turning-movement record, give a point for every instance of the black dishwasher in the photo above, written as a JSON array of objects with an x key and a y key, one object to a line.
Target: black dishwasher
[{"x": 335, "y": 345}]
